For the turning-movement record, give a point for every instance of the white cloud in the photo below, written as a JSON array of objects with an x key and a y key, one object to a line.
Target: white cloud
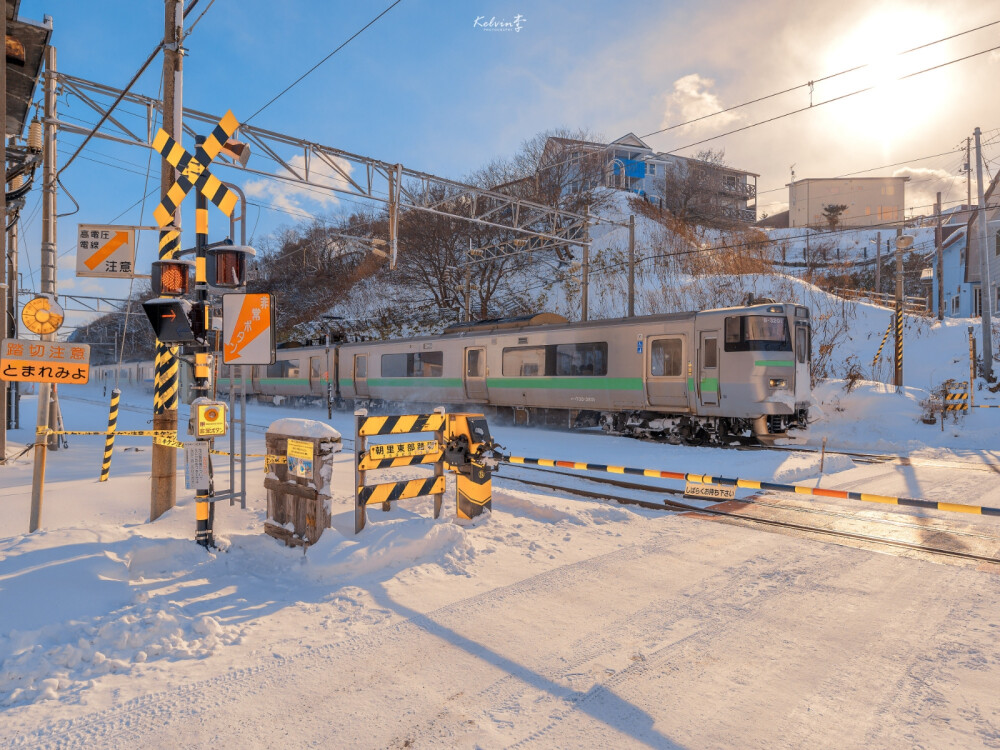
[
  {"x": 925, "y": 183},
  {"x": 692, "y": 98},
  {"x": 297, "y": 198}
]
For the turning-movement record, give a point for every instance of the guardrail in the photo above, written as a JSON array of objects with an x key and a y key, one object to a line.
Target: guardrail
[{"x": 911, "y": 305}]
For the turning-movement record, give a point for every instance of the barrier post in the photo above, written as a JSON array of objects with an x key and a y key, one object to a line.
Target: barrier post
[
  {"x": 360, "y": 450},
  {"x": 109, "y": 442},
  {"x": 972, "y": 367}
]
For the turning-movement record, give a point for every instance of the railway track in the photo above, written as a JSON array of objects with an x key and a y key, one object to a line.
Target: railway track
[{"x": 672, "y": 505}]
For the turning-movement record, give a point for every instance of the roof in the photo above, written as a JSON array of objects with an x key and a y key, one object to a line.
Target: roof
[
  {"x": 843, "y": 179},
  {"x": 22, "y": 78},
  {"x": 519, "y": 321}
]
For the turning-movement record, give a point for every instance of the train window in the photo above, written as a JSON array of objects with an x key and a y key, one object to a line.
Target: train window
[
  {"x": 765, "y": 333},
  {"x": 474, "y": 363},
  {"x": 582, "y": 359},
  {"x": 665, "y": 358},
  {"x": 361, "y": 366},
  {"x": 524, "y": 361},
  {"x": 802, "y": 344},
  {"x": 711, "y": 353},
  {"x": 414, "y": 365},
  {"x": 294, "y": 369},
  {"x": 315, "y": 369},
  {"x": 278, "y": 369}
]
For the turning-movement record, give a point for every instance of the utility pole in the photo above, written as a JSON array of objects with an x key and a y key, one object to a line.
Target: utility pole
[
  {"x": 163, "y": 490},
  {"x": 878, "y": 264},
  {"x": 968, "y": 175},
  {"x": 631, "y": 266},
  {"x": 3, "y": 243},
  {"x": 48, "y": 273},
  {"x": 901, "y": 243},
  {"x": 940, "y": 261},
  {"x": 585, "y": 287},
  {"x": 984, "y": 269}
]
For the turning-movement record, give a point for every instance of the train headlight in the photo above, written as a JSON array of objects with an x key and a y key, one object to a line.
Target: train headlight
[{"x": 777, "y": 382}]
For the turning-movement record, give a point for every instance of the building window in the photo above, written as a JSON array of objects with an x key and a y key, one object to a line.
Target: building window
[
  {"x": 954, "y": 305},
  {"x": 651, "y": 168}
]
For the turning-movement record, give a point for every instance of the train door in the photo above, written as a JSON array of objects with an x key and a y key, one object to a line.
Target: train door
[
  {"x": 666, "y": 384},
  {"x": 708, "y": 368},
  {"x": 316, "y": 375},
  {"x": 361, "y": 374},
  {"x": 803, "y": 361},
  {"x": 475, "y": 374}
]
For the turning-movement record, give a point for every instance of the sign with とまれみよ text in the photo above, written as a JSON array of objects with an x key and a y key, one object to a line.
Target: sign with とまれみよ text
[
  {"x": 105, "y": 251},
  {"x": 30, "y": 361}
]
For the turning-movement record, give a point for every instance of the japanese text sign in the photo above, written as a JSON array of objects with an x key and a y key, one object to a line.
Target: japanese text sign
[
  {"x": 248, "y": 329},
  {"x": 105, "y": 251},
  {"x": 403, "y": 450},
  {"x": 300, "y": 459},
  {"x": 44, "y": 361}
]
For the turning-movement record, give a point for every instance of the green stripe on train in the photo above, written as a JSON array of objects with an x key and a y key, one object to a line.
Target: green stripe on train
[
  {"x": 416, "y": 382},
  {"x": 571, "y": 383},
  {"x": 774, "y": 363}
]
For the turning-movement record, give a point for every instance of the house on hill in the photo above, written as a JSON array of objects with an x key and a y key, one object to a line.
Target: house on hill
[
  {"x": 870, "y": 200},
  {"x": 973, "y": 267},
  {"x": 962, "y": 295},
  {"x": 687, "y": 187}
]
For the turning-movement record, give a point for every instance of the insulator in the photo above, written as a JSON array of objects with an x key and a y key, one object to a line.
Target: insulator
[{"x": 35, "y": 135}]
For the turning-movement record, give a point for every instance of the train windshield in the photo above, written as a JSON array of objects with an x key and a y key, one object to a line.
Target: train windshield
[{"x": 763, "y": 333}]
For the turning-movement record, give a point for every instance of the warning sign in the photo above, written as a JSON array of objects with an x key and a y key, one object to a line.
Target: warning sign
[
  {"x": 709, "y": 492},
  {"x": 105, "y": 251},
  {"x": 300, "y": 459},
  {"x": 402, "y": 450},
  {"x": 197, "y": 475},
  {"x": 44, "y": 361},
  {"x": 210, "y": 420},
  {"x": 248, "y": 329}
]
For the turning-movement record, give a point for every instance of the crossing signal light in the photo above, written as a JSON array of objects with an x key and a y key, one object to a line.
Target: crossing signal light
[
  {"x": 172, "y": 320},
  {"x": 171, "y": 278},
  {"x": 226, "y": 266}
]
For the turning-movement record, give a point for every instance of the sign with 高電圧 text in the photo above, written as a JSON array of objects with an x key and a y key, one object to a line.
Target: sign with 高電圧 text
[{"x": 105, "y": 251}]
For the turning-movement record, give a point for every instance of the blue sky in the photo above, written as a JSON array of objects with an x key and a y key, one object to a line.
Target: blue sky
[{"x": 427, "y": 88}]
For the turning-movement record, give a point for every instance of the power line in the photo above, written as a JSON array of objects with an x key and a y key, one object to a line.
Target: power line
[
  {"x": 829, "y": 101},
  {"x": 299, "y": 79},
  {"x": 814, "y": 81}
]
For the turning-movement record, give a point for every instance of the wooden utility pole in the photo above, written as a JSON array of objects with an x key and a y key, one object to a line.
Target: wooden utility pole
[
  {"x": 585, "y": 286},
  {"x": 984, "y": 268},
  {"x": 4, "y": 328},
  {"x": 968, "y": 174},
  {"x": 48, "y": 273},
  {"x": 163, "y": 491},
  {"x": 938, "y": 244},
  {"x": 631, "y": 266},
  {"x": 900, "y": 244},
  {"x": 878, "y": 263}
]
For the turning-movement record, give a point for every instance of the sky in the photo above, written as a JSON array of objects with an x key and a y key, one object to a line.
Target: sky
[{"x": 437, "y": 87}]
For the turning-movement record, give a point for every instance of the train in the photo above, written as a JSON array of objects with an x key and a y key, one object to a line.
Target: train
[{"x": 738, "y": 374}]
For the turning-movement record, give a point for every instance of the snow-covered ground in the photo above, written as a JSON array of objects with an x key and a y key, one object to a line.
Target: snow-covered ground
[{"x": 553, "y": 621}]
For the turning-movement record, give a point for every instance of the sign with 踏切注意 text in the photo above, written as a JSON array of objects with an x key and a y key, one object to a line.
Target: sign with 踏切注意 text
[
  {"x": 44, "y": 361},
  {"x": 300, "y": 459},
  {"x": 105, "y": 251},
  {"x": 402, "y": 450},
  {"x": 248, "y": 329}
]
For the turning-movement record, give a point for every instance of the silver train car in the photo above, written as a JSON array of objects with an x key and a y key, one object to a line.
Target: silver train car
[{"x": 713, "y": 376}]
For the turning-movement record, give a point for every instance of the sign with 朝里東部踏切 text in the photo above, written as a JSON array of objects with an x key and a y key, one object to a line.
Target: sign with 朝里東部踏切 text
[
  {"x": 44, "y": 361},
  {"x": 248, "y": 329},
  {"x": 709, "y": 492},
  {"x": 402, "y": 450},
  {"x": 105, "y": 251},
  {"x": 299, "y": 455}
]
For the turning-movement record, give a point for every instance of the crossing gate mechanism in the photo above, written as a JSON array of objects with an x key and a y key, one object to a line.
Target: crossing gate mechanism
[{"x": 461, "y": 443}]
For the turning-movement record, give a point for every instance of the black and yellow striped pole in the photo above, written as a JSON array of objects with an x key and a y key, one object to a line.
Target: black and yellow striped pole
[
  {"x": 898, "y": 380},
  {"x": 109, "y": 441},
  {"x": 885, "y": 337},
  {"x": 204, "y": 507}
]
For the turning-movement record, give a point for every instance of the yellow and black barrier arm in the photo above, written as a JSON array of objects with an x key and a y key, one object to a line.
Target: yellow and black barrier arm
[{"x": 752, "y": 484}]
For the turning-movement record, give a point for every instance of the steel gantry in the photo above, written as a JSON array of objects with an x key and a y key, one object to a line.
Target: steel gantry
[{"x": 327, "y": 168}]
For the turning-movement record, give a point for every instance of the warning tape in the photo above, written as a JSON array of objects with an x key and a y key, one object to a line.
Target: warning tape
[
  {"x": 751, "y": 484},
  {"x": 160, "y": 437}
]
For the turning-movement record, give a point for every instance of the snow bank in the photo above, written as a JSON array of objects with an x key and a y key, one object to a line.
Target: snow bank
[{"x": 307, "y": 428}]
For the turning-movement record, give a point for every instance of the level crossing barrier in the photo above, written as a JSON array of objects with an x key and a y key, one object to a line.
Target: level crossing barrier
[{"x": 753, "y": 484}]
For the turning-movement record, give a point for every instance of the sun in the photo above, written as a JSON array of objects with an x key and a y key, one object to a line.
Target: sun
[{"x": 887, "y": 111}]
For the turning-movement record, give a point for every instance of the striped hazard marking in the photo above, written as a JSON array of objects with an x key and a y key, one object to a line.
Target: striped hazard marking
[
  {"x": 402, "y": 424},
  {"x": 386, "y": 493}
]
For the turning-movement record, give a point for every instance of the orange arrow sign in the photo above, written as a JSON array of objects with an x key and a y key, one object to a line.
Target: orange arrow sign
[
  {"x": 172, "y": 315},
  {"x": 104, "y": 253},
  {"x": 253, "y": 320}
]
